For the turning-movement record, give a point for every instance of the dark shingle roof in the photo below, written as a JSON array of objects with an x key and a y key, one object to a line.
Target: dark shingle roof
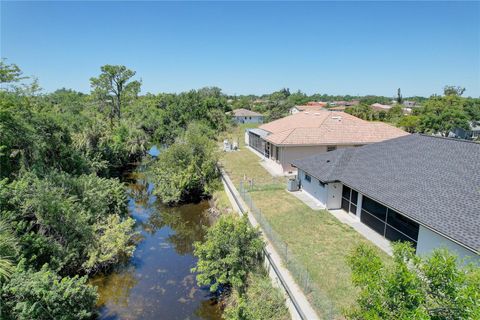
[
  {"x": 245, "y": 113},
  {"x": 435, "y": 181}
]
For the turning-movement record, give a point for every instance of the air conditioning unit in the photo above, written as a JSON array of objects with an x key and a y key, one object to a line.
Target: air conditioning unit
[{"x": 293, "y": 185}]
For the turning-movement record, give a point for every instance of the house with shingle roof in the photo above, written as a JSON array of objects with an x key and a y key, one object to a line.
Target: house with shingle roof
[
  {"x": 308, "y": 133},
  {"x": 246, "y": 116},
  {"x": 416, "y": 188}
]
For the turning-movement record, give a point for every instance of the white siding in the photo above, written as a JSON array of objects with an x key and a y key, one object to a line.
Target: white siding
[
  {"x": 334, "y": 195},
  {"x": 252, "y": 119},
  {"x": 429, "y": 240},
  {"x": 314, "y": 188}
]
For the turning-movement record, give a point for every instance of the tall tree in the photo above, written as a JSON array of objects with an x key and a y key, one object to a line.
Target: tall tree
[
  {"x": 9, "y": 72},
  {"x": 399, "y": 96},
  {"x": 453, "y": 90},
  {"x": 114, "y": 88}
]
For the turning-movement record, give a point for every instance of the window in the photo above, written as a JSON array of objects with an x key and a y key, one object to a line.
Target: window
[
  {"x": 349, "y": 200},
  {"x": 388, "y": 223},
  {"x": 331, "y": 148},
  {"x": 250, "y": 118},
  {"x": 346, "y": 192},
  {"x": 308, "y": 178},
  {"x": 374, "y": 208}
]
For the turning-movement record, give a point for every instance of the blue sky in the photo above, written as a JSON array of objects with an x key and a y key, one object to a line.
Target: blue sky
[{"x": 250, "y": 47}]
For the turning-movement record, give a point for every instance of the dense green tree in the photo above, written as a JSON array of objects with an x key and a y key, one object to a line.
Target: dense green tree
[
  {"x": 363, "y": 111},
  {"x": 75, "y": 224},
  {"x": 453, "y": 90},
  {"x": 232, "y": 248},
  {"x": 9, "y": 73},
  {"x": 409, "y": 123},
  {"x": 8, "y": 249},
  {"x": 395, "y": 113},
  {"x": 443, "y": 114},
  {"x": 34, "y": 140},
  {"x": 433, "y": 287},
  {"x": 369, "y": 100},
  {"x": 113, "y": 88},
  {"x": 261, "y": 301},
  {"x": 43, "y": 295},
  {"x": 187, "y": 170}
]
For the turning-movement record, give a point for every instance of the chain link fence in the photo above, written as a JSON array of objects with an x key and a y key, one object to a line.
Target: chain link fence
[{"x": 296, "y": 268}]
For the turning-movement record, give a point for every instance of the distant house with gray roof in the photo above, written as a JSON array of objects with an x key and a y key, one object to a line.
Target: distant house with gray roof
[
  {"x": 246, "y": 116},
  {"x": 473, "y": 133},
  {"x": 416, "y": 188}
]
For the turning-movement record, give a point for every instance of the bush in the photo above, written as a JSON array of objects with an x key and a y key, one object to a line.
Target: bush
[
  {"x": 186, "y": 171},
  {"x": 44, "y": 295},
  {"x": 261, "y": 301},
  {"x": 433, "y": 287},
  {"x": 64, "y": 221},
  {"x": 231, "y": 249}
]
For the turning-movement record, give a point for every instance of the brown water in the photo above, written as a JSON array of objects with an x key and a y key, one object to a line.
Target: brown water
[{"x": 157, "y": 283}]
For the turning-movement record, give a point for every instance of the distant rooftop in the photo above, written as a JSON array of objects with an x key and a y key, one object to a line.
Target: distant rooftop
[
  {"x": 323, "y": 127},
  {"x": 245, "y": 113}
]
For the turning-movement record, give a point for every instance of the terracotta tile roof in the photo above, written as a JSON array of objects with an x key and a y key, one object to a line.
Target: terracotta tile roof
[
  {"x": 310, "y": 108},
  {"x": 245, "y": 113},
  {"x": 316, "y": 104},
  {"x": 325, "y": 127}
]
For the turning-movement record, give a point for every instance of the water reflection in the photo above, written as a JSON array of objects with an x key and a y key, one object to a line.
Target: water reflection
[{"x": 157, "y": 283}]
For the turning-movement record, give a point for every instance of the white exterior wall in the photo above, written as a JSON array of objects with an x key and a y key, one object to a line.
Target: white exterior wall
[
  {"x": 251, "y": 119},
  {"x": 314, "y": 188},
  {"x": 329, "y": 194},
  {"x": 429, "y": 240},
  {"x": 294, "y": 110},
  {"x": 334, "y": 195}
]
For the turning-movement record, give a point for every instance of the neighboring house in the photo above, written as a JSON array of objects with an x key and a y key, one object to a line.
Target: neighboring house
[
  {"x": 472, "y": 134},
  {"x": 246, "y": 116},
  {"x": 344, "y": 103},
  {"x": 409, "y": 104},
  {"x": 416, "y": 188},
  {"x": 305, "y": 133},
  {"x": 386, "y": 107},
  {"x": 380, "y": 107},
  {"x": 309, "y": 107}
]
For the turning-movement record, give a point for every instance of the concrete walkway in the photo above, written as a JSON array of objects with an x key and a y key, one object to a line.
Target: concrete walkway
[
  {"x": 306, "y": 198},
  {"x": 365, "y": 231},
  {"x": 273, "y": 168},
  {"x": 301, "y": 307}
]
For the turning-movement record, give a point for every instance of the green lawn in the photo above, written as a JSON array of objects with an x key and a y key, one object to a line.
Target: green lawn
[{"x": 317, "y": 239}]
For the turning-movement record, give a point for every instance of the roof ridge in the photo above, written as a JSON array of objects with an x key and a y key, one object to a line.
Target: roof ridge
[
  {"x": 288, "y": 134},
  {"x": 445, "y": 138}
]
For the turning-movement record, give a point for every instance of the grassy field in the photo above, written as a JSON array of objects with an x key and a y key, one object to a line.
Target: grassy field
[{"x": 317, "y": 239}]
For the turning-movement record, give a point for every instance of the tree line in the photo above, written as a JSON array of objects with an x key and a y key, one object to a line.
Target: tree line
[{"x": 63, "y": 206}]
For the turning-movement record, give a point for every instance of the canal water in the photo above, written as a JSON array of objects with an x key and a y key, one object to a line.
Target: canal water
[{"x": 157, "y": 282}]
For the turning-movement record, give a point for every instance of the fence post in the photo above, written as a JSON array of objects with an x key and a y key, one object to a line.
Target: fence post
[{"x": 286, "y": 253}]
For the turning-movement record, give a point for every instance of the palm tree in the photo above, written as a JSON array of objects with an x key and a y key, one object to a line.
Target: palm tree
[{"x": 8, "y": 250}]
